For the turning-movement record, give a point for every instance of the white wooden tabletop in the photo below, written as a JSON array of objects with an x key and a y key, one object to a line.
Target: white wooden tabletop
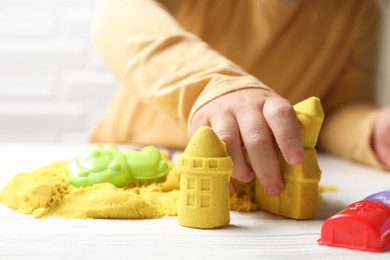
[{"x": 256, "y": 235}]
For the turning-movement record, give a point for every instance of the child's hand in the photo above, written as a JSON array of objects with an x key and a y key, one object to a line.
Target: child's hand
[
  {"x": 248, "y": 120},
  {"x": 381, "y": 137}
]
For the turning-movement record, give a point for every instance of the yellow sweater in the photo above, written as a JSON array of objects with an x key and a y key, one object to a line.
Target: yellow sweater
[{"x": 173, "y": 56}]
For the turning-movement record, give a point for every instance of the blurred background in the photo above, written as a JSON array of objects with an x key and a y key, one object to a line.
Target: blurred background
[{"x": 53, "y": 86}]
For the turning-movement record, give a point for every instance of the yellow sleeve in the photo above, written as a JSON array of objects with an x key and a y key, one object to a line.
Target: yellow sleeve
[
  {"x": 157, "y": 60},
  {"x": 350, "y": 112},
  {"x": 348, "y": 133}
]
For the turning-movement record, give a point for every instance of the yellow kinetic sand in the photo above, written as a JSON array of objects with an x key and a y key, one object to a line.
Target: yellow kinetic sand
[
  {"x": 310, "y": 117},
  {"x": 299, "y": 199},
  {"x": 47, "y": 191},
  {"x": 205, "y": 169}
]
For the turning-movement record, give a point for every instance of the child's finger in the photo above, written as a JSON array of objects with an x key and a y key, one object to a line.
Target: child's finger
[
  {"x": 258, "y": 142},
  {"x": 282, "y": 120}
]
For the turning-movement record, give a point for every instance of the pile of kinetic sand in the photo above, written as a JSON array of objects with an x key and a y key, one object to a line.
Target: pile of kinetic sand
[{"x": 46, "y": 192}]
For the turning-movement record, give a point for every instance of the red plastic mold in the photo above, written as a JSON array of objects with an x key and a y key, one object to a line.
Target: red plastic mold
[{"x": 363, "y": 225}]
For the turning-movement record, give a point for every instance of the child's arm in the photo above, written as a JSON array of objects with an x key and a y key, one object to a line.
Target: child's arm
[
  {"x": 156, "y": 59},
  {"x": 349, "y": 103}
]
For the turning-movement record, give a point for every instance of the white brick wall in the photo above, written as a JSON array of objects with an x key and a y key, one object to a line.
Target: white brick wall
[{"x": 53, "y": 87}]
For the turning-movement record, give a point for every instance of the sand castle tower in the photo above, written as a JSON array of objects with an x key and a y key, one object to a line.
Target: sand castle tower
[
  {"x": 299, "y": 198},
  {"x": 205, "y": 169}
]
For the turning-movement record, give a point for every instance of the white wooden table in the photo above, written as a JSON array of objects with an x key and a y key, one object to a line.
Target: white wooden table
[{"x": 255, "y": 235}]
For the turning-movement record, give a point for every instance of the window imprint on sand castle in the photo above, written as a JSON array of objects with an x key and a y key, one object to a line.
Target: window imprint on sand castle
[
  {"x": 191, "y": 183},
  {"x": 194, "y": 186},
  {"x": 205, "y": 188},
  {"x": 204, "y": 201},
  {"x": 213, "y": 163},
  {"x": 191, "y": 200},
  {"x": 205, "y": 184},
  {"x": 198, "y": 163}
]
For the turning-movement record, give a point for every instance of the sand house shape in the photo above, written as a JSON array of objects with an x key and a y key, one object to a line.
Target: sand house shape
[
  {"x": 205, "y": 169},
  {"x": 299, "y": 198}
]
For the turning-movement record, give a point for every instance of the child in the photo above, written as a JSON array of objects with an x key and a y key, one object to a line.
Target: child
[{"x": 237, "y": 66}]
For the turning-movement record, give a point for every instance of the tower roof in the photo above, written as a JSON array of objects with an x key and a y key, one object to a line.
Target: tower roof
[
  {"x": 310, "y": 107},
  {"x": 310, "y": 116},
  {"x": 205, "y": 143}
]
